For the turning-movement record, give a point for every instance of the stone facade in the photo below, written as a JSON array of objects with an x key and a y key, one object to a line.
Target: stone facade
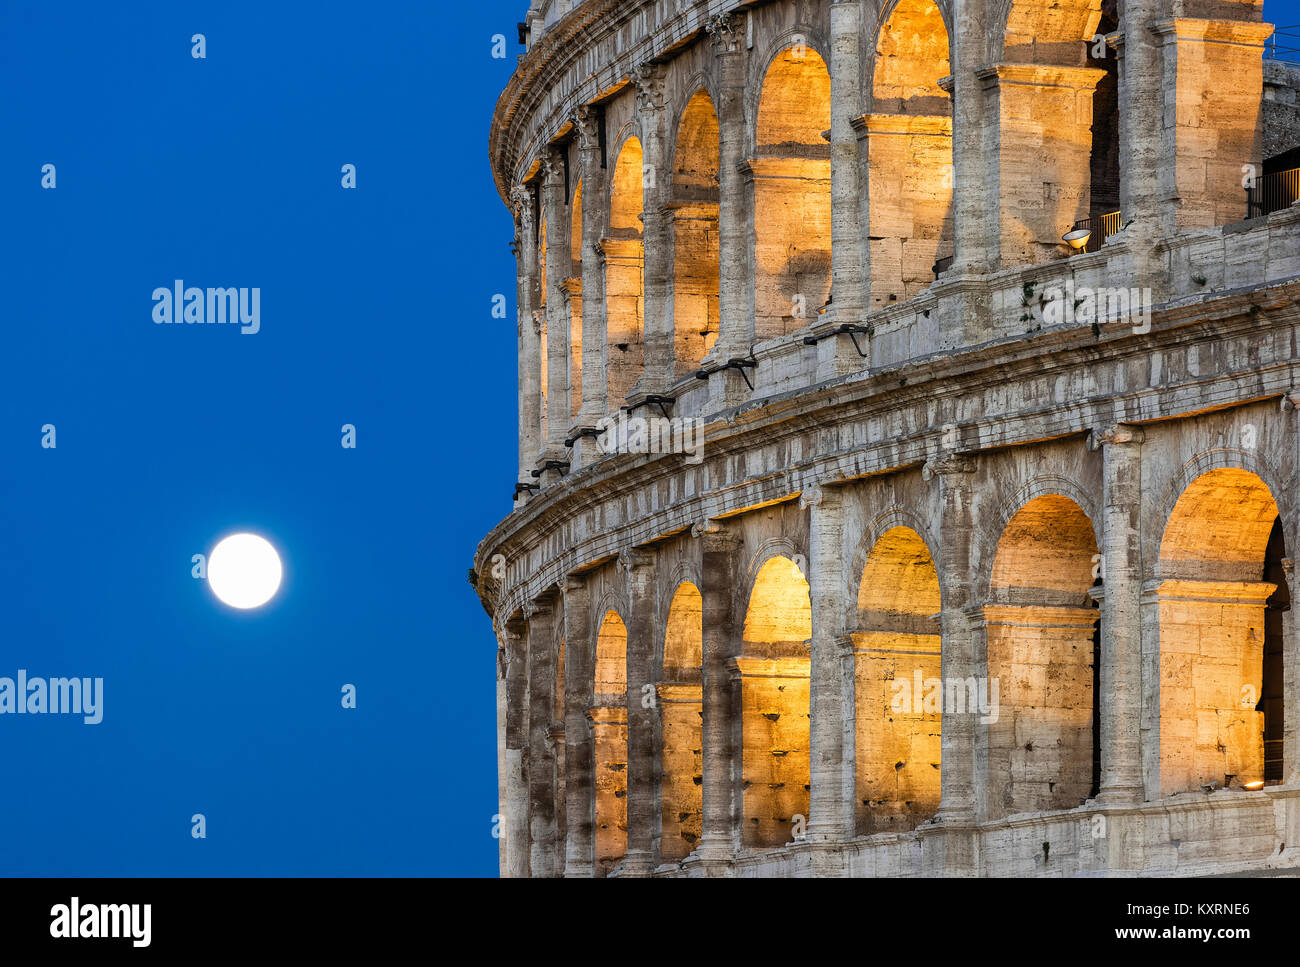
[{"x": 981, "y": 565}]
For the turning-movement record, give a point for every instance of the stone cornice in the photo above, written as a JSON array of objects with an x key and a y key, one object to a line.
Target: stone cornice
[{"x": 936, "y": 385}]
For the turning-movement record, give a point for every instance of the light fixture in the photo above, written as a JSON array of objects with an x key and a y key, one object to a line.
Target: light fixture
[
  {"x": 1077, "y": 238},
  {"x": 1253, "y": 785}
]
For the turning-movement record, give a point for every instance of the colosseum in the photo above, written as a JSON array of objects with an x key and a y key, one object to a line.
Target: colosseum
[{"x": 908, "y": 444}]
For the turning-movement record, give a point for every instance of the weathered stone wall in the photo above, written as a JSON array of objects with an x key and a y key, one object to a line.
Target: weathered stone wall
[{"x": 709, "y": 661}]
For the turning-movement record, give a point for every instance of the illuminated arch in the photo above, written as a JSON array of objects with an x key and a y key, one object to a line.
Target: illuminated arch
[
  {"x": 791, "y": 171},
  {"x": 1220, "y": 599},
  {"x": 624, "y": 275},
  {"x": 680, "y": 697},
  {"x": 773, "y": 666},
  {"x": 695, "y": 233},
  {"x": 609, "y": 727},
  {"x": 896, "y": 650},
  {"x": 1043, "y": 637},
  {"x": 909, "y": 151}
]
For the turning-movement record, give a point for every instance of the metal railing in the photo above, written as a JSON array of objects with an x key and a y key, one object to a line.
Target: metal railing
[
  {"x": 1273, "y": 192},
  {"x": 1102, "y": 227},
  {"x": 1284, "y": 45}
]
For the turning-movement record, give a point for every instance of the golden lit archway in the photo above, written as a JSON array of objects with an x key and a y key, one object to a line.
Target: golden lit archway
[
  {"x": 679, "y": 694},
  {"x": 1222, "y": 539},
  {"x": 909, "y": 152},
  {"x": 624, "y": 275},
  {"x": 775, "y": 707},
  {"x": 695, "y": 233},
  {"x": 791, "y": 172},
  {"x": 609, "y": 727},
  {"x": 1043, "y": 652},
  {"x": 896, "y": 651}
]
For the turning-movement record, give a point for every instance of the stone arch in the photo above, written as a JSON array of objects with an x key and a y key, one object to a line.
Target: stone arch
[
  {"x": 1036, "y": 32},
  {"x": 680, "y": 699},
  {"x": 896, "y": 651},
  {"x": 1218, "y": 600},
  {"x": 790, "y": 169},
  {"x": 909, "y": 151},
  {"x": 1041, "y": 485},
  {"x": 1041, "y": 95},
  {"x": 625, "y": 273},
  {"x": 694, "y": 219},
  {"x": 608, "y": 716},
  {"x": 1218, "y": 458},
  {"x": 774, "y": 686},
  {"x": 1043, "y": 647}
]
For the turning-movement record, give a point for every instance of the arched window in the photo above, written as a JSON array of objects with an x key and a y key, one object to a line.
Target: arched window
[
  {"x": 695, "y": 234},
  {"x": 896, "y": 651},
  {"x": 791, "y": 171},
  {"x": 679, "y": 696},
  {"x": 1220, "y": 654},
  {"x": 774, "y": 667},
  {"x": 624, "y": 276}
]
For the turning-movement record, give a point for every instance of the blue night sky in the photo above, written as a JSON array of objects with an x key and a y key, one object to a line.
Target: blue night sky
[{"x": 375, "y": 311}]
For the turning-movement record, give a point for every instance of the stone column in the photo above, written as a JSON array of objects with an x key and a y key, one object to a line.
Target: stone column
[
  {"x": 659, "y": 366},
  {"x": 541, "y": 755},
  {"x": 1210, "y": 128},
  {"x": 558, "y": 269},
  {"x": 637, "y": 568},
  {"x": 836, "y": 355},
  {"x": 1037, "y": 111},
  {"x": 735, "y": 265},
  {"x": 516, "y": 818},
  {"x": 1121, "y": 614},
  {"x": 503, "y": 769},
  {"x": 579, "y": 752},
  {"x": 530, "y": 387},
  {"x": 720, "y": 836},
  {"x": 907, "y": 212},
  {"x": 595, "y": 348},
  {"x": 830, "y": 817},
  {"x": 953, "y": 849},
  {"x": 957, "y": 659},
  {"x": 972, "y": 210},
  {"x": 1290, "y": 678}
]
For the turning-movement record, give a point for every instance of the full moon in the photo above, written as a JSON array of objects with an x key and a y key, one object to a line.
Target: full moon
[{"x": 244, "y": 571}]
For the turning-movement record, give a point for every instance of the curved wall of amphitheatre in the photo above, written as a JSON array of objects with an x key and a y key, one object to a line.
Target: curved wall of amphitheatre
[{"x": 862, "y": 527}]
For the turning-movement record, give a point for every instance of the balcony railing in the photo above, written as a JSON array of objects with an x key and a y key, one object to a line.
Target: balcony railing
[
  {"x": 1273, "y": 192},
  {"x": 1102, "y": 227},
  {"x": 1284, "y": 45}
]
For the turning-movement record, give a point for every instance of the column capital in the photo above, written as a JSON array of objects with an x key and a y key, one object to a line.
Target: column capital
[
  {"x": 946, "y": 464},
  {"x": 553, "y": 168},
  {"x": 724, "y": 30},
  {"x": 521, "y": 200},
  {"x": 633, "y": 559},
  {"x": 573, "y": 583},
  {"x": 586, "y": 122},
  {"x": 648, "y": 78},
  {"x": 818, "y": 494},
  {"x": 1119, "y": 433},
  {"x": 715, "y": 535},
  {"x": 540, "y": 606}
]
